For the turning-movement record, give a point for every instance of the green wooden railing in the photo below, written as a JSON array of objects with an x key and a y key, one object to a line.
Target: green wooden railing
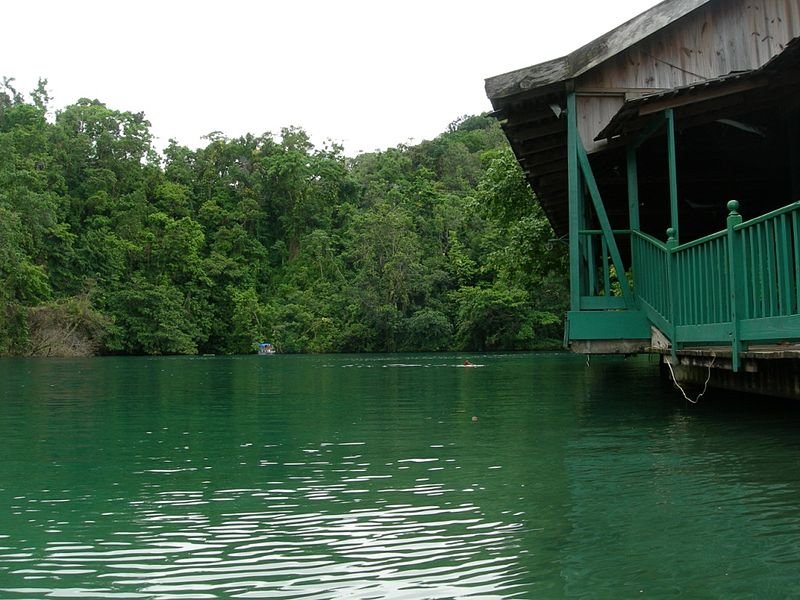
[
  {"x": 602, "y": 288},
  {"x": 770, "y": 259},
  {"x": 735, "y": 287}
]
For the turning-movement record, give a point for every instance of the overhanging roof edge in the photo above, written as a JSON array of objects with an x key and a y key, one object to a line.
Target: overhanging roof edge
[{"x": 590, "y": 55}]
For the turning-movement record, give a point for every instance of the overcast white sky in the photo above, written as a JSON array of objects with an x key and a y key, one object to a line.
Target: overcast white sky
[{"x": 367, "y": 74}]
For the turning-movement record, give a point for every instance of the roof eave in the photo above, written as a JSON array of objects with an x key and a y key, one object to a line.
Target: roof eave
[
  {"x": 590, "y": 55},
  {"x": 527, "y": 79}
]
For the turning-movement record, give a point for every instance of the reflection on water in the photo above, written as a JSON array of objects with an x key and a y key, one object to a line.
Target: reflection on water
[{"x": 367, "y": 477}]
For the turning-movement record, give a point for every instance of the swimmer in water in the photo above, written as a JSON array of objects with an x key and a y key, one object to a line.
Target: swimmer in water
[{"x": 467, "y": 363}]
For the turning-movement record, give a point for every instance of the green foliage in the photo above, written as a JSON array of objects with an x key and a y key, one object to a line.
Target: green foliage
[
  {"x": 248, "y": 319},
  {"x": 428, "y": 330},
  {"x": 497, "y": 318},
  {"x": 107, "y": 247},
  {"x": 151, "y": 318},
  {"x": 66, "y": 327}
]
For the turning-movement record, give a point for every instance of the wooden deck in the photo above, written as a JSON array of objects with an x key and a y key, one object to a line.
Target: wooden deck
[
  {"x": 767, "y": 369},
  {"x": 758, "y": 352}
]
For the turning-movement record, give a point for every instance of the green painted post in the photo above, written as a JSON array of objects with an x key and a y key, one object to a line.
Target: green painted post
[
  {"x": 796, "y": 239},
  {"x": 673, "y": 292},
  {"x": 633, "y": 204},
  {"x": 783, "y": 247},
  {"x": 573, "y": 180},
  {"x": 633, "y": 189},
  {"x": 673, "y": 171},
  {"x": 736, "y": 282}
]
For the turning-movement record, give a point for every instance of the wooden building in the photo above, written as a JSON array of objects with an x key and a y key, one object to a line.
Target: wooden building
[{"x": 668, "y": 150}]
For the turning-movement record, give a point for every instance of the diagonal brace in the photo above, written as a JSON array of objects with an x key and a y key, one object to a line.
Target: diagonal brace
[{"x": 605, "y": 226}]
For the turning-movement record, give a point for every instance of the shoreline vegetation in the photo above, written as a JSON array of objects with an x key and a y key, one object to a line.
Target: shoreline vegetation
[{"x": 108, "y": 247}]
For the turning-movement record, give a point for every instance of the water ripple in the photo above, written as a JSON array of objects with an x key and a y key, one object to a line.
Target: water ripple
[
  {"x": 239, "y": 478},
  {"x": 432, "y": 549}
]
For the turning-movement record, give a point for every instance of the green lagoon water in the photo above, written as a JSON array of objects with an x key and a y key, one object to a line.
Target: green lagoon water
[{"x": 367, "y": 477}]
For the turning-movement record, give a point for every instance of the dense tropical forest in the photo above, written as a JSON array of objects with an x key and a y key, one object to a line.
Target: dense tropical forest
[{"x": 108, "y": 246}]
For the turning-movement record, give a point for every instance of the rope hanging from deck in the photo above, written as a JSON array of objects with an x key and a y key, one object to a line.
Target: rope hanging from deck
[{"x": 705, "y": 385}]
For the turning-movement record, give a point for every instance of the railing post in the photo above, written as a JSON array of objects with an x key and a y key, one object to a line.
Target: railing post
[
  {"x": 673, "y": 171},
  {"x": 672, "y": 285},
  {"x": 736, "y": 282}
]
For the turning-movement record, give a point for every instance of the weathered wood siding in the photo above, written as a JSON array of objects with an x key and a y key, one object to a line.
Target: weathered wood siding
[
  {"x": 594, "y": 113},
  {"x": 714, "y": 40}
]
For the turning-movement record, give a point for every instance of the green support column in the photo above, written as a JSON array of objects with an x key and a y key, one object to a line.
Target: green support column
[
  {"x": 574, "y": 203},
  {"x": 673, "y": 172},
  {"x": 633, "y": 201},
  {"x": 633, "y": 190}
]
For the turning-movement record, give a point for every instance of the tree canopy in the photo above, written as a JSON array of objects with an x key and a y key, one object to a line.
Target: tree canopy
[{"x": 107, "y": 246}]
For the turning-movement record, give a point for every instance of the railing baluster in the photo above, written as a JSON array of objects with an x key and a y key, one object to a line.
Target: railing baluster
[
  {"x": 769, "y": 287},
  {"x": 744, "y": 236},
  {"x": 722, "y": 282},
  {"x": 720, "y": 297},
  {"x": 684, "y": 299},
  {"x": 606, "y": 268},
  {"x": 769, "y": 236},
  {"x": 782, "y": 248},
  {"x": 758, "y": 274},
  {"x": 687, "y": 272},
  {"x": 706, "y": 286},
  {"x": 711, "y": 277},
  {"x": 752, "y": 282},
  {"x": 762, "y": 267},
  {"x": 662, "y": 293},
  {"x": 725, "y": 280},
  {"x": 693, "y": 274},
  {"x": 758, "y": 264},
  {"x": 698, "y": 287},
  {"x": 665, "y": 310},
  {"x": 716, "y": 281},
  {"x": 796, "y": 244},
  {"x": 700, "y": 291}
]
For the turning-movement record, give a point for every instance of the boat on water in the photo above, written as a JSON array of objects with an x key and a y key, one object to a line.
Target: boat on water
[{"x": 265, "y": 348}]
